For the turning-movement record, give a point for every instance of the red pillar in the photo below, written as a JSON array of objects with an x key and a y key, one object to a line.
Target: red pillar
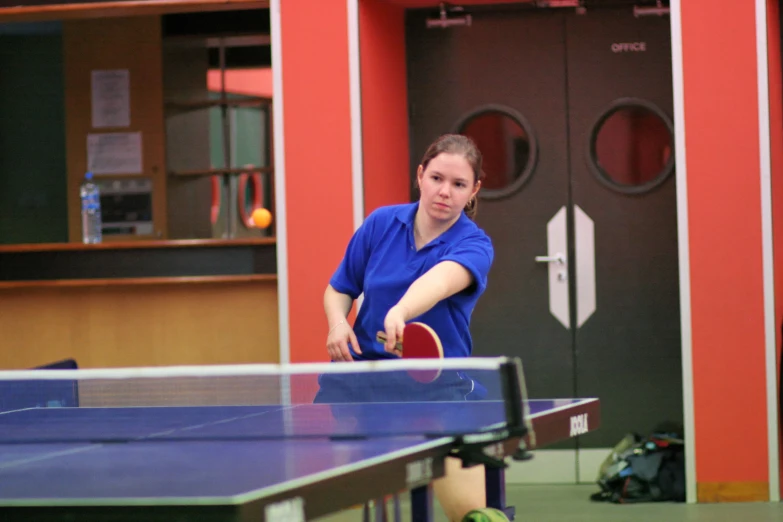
[{"x": 721, "y": 120}]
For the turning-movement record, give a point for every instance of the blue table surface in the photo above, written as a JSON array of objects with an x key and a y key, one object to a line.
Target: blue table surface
[
  {"x": 186, "y": 470},
  {"x": 214, "y": 469}
]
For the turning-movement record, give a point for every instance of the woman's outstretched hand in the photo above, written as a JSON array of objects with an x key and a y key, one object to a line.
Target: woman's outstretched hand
[{"x": 394, "y": 325}]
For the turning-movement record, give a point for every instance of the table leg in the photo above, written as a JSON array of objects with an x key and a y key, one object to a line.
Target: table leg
[
  {"x": 380, "y": 510},
  {"x": 421, "y": 504},
  {"x": 380, "y": 513},
  {"x": 496, "y": 491}
]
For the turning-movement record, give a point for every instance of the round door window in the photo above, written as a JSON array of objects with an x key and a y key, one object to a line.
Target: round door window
[
  {"x": 632, "y": 147},
  {"x": 507, "y": 147}
]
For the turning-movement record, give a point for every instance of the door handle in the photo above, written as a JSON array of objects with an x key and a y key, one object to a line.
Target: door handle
[{"x": 557, "y": 258}]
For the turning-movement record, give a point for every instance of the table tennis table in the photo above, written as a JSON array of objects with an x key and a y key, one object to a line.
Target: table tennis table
[{"x": 274, "y": 462}]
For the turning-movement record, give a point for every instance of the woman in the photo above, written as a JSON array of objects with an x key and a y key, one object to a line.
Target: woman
[{"x": 425, "y": 261}]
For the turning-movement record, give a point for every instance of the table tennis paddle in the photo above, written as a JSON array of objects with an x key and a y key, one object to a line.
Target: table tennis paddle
[{"x": 418, "y": 341}]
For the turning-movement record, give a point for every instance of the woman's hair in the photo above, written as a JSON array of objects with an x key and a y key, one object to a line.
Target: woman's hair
[{"x": 458, "y": 144}]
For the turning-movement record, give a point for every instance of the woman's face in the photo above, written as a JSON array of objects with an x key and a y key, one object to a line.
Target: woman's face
[{"x": 446, "y": 186}]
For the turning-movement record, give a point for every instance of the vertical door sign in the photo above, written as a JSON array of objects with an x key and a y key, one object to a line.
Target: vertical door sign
[
  {"x": 557, "y": 261},
  {"x": 585, "y": 266}
]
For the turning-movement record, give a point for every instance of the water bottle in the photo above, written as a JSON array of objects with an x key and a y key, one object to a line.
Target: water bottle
[{"x": 91, "y": 210}]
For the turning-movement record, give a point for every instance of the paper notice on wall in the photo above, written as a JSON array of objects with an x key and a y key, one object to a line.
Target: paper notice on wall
[
  {"x": 114, "y": 153},
  {"x": 111, "y": 98}
]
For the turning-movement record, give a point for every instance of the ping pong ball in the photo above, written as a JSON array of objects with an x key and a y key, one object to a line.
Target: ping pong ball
[{"x": 261, "y": 217}]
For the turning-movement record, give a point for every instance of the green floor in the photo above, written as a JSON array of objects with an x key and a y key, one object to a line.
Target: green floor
[{"x": 571, "y": 503}]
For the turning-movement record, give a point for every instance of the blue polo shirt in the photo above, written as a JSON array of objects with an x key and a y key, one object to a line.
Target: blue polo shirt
[{"x": 381, "y": 261}]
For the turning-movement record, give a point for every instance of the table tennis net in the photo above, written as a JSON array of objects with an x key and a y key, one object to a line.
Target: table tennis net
[{"x": 250, "y": 402}]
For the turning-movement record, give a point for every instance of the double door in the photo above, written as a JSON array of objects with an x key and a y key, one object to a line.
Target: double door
[{"x": 573, "y": 115}]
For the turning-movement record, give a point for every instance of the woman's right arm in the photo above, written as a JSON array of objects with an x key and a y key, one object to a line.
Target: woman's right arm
[{"x": 337, "y": 306}]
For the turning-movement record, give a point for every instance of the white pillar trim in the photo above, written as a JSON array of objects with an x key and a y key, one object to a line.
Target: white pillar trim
[
  {"x": 280, "y": 185},
  {"x": 354, "y": 76},
  {"x": 765, "y": 173},
  {"x": 684, "y": 250}
]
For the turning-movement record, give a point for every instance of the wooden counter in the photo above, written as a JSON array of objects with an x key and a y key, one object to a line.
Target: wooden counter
[
  {"x": 139, "y": 303},
  {"x": 137, "y": 260}
]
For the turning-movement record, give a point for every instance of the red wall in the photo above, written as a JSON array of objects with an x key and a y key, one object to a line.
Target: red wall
[
  {"x": 317, "y": 129},
  {"x": 725, "y": 240},
  {"x": 384, "y": 104},
  {"x": 249, "y": 82}
]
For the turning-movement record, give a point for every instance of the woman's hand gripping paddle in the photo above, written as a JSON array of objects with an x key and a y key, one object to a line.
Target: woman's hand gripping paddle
[{"x": 418, "y": 341}]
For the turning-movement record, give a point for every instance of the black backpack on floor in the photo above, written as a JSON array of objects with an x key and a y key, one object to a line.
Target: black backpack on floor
[{"x": 644, "y": 469}]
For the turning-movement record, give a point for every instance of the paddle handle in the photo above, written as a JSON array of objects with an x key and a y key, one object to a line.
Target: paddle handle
[{"x": 381, "y": 338}]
